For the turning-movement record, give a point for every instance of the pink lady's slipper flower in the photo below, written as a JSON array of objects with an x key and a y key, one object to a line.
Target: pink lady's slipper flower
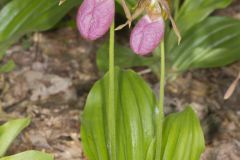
[
  {"x": 95, "y": 18},
  {"x": 149, "y": 31},
  {"x": 147, "y": 35}
]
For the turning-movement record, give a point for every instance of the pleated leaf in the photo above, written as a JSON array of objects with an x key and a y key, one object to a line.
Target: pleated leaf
[
  {"x": 182, "y": 136},
  {"x": 9, "y": 131},
  {"x": 193, "y": 12},
  {"x": 135, "y": 127},
  {"x": 29, "y": 155},
  {"x": 134, "y": 105},
  {"x": 212, "y": 43}
]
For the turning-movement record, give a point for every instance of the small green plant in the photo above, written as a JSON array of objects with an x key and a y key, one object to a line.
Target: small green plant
[
  {"x": 8, "y": 132},
  {"x": 122, "y": 119}
]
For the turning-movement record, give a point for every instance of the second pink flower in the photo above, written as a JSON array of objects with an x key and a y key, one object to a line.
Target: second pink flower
[
  {"x": 147, "y": 35},
  {"x": 95, "y": 18}
]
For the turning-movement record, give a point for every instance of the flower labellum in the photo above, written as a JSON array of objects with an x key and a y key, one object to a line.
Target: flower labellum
[
  {"x": 147, "y": 35},
  {"x": 95, "y": 18}
]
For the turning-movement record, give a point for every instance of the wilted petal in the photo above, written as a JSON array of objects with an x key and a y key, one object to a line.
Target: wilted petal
[
  {"x": 95, "y": 17},
  {"x": 147, "y": 35}
]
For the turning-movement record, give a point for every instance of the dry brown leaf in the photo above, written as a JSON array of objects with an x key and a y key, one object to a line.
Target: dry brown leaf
[{"x": 232, "y": 87}]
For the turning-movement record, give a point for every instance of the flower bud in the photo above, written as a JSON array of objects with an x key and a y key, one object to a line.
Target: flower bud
[
  {"x": 95, "y": 17},
  {"x": 147, "y": 35}
]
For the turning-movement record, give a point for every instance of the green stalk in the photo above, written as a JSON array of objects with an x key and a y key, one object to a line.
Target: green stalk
[
  {"x": 160, "y": 114},
  {"x": 111, "y": 106},
  {"x": 162, "y": 80}
]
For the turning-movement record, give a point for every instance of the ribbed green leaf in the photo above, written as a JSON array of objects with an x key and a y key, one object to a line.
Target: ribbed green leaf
[
  {"x": 29, "y": 155},
  {"x": 191, "y": 13},
  {"x": 19, "y": 17},
  {"x": 135, "y": 127},
  {"x": 9, "y": 131},
  {"x": 182, "y": 136},
  {"x": 125, "y": 58},
  {"x": 134, "y": 104},
  {"x": 212, "y": 43}
]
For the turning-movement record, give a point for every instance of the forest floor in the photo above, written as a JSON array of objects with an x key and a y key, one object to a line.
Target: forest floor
[{"x": 55, "y": 71}]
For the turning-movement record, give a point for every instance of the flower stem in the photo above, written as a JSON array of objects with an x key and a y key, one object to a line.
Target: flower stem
[
  {"x": 111, "y": 107},
  {"x": 162, "y": 80},
  {"x": 160, "y": 114}
]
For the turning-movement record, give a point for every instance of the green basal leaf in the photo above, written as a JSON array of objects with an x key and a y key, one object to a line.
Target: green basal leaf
[
  {"x": 19, "y": 17},
  {"x": 182, "y": 136},
  {"x": 212, "y": 43},
  {"x": 9, "y": 131},
  {"x": 134, "y": 106},
  {"x": 135, "y": 123},
  {"x": 9, "y": 66},
  {"x": 191, "y": 13},
  {"x": 29, "y": 155},
  {"x": 124, "y": 57}
]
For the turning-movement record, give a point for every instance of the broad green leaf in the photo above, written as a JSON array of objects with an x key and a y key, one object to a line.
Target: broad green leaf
[
  {"x": 134, "y": 105},
  {"x": 19, "y": 17},
  {"x": 29, "y": 155},
  {"x": 182, "y": 136},
  {"x": 9, "y": 66},
  {"x": 9, "y": 131},
  {"x": 192, "y": 12},
  {"x": 212, "y": 43},
  {"x": 135, "y": 127},
  {"x": 124, "y": 58}
]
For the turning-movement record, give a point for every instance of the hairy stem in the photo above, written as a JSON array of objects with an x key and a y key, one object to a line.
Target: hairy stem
[
  {"x": 159, "y": 113},
  {"x": 111, "y": 106}
]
